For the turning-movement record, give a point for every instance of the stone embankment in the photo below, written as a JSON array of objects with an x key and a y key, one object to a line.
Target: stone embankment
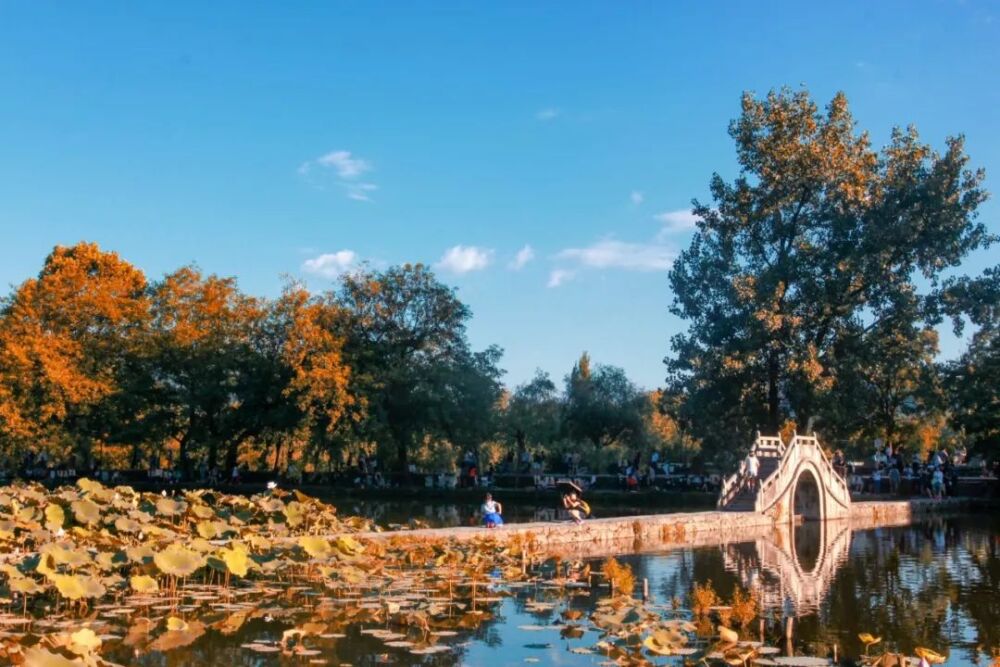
[{"x": 664, "y": 531}]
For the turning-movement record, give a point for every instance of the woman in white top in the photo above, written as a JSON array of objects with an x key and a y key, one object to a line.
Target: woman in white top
[{"x": 492, "y": 511}]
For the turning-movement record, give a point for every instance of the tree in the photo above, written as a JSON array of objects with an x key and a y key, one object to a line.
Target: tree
[
  {"x": 65, "y": 342},
  {"x": 819, "y": 239},
  {"x": 603, "y": 406},
  {"x": 308, "y": 337},
  {"x": 411, "y": 359},
  {"x": 533, "y": 413},
  {"x": 210, "y": 385},
  {"x": 973, "y": 380}
]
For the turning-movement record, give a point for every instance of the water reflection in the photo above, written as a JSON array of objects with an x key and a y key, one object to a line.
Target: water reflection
[
  {"x": 933, "y": 584},
  {"x": 792, "y": 569},
  {"x": 437, "y": 514}
]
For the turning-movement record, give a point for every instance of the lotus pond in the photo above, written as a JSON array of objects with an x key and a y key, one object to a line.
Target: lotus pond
[{"x": 98, "y": 576}]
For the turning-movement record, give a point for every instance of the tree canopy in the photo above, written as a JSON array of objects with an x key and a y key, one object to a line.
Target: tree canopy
[{"x": 817, "y": 271}]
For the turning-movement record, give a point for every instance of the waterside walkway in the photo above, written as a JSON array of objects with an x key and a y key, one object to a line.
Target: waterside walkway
[{"x": 663, "y": 531}]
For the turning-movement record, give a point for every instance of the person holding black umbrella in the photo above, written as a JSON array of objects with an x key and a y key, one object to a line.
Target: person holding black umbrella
[{"x": 572, "y": 502}]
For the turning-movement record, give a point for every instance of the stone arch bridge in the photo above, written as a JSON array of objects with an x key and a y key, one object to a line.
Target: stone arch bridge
[{"x": 797, "y": 481}]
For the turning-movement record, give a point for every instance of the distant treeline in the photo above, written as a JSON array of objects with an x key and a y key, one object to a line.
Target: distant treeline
[
  {"x": 812, "y": 292},
  {"x": 100, "y": 366}
]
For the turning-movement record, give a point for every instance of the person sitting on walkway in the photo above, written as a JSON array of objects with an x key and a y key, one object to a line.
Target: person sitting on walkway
[
  {"x": 492, "y": 511},
  {"x": 575, "y": 506}
]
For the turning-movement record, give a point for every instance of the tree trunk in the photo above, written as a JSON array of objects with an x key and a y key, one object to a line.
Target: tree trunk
[
  {"x": 773, "y": 414},
  {"x": 182, "y": 454}
]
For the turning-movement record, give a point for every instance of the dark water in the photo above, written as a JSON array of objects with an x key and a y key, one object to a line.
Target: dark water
[
  {"x": 934, "y": 584},
  {"x": 437, "y": 514}
]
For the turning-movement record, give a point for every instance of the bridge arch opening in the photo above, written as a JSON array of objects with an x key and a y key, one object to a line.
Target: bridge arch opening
[
  {"x": 807, "y": 545},
  {"x": 807, "y": 500}
]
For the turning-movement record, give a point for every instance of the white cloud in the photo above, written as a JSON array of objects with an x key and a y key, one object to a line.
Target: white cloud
[
  {"x": 612, "y": 254},
  {"x": 346, "y": 165},
  {"x": 462, "y": 259},
  {"x": 559, "y": 276},
  {"x": 331, "y": 265},
  {"x": 547, "y": 114},
  {"x": 524, "y": 255},
  {"x": 636, "y": 197},
  {"x": 681, "y": 220},
  {"x": 344, "y": 169}
]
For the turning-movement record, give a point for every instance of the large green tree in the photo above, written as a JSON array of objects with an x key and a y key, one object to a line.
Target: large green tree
[
  {"x": 413, "y": 371},
  {"x": 603, "y": 407},
  {"x": 973, "y": 381},
  {"x": 533, "y": 413},
  {"x": 816, "y": 245}
]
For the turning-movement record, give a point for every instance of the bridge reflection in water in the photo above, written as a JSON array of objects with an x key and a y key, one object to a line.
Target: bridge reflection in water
[{"x": 792, "y": 569}]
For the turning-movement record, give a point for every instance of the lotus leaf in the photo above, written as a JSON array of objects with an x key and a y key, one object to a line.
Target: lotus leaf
[
  {"x": 126, "y": 525},
  {"x": 84, "y": 641},
  {"x": 140, "y": 554},
  {"x": 349, "y": 546},
  {"x": 36, "y": 656},
  {"x": 236, "y": 559},
  {"x": 315, "y": 546},
  {"x": 174, "y": 623},
  {"x": 143, "y": 583},
  {"x": 24, "y": 585},
  {"x": 178, "y": 561},
  {"x": 170, "y": 507},
  {"x": 55, "y": 517},
  {"x": 295, "y": 514},
  {"x": 78, "y": 586},
  {"x": 202, "y": 512},
  {"x": 655, "y": 647},
  {"x": 207, "y": 529},
  {"x": 86, "y": 512}
]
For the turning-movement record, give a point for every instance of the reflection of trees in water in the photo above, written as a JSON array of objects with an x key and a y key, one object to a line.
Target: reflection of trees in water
[
  {"x": 918, "y": 585},
  {"x": 933, "y": 584}
]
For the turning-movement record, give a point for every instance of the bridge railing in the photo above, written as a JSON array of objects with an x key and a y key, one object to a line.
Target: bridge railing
[
  {"x": 764, "y": 446},
  {"x": 770, "y": 488}
]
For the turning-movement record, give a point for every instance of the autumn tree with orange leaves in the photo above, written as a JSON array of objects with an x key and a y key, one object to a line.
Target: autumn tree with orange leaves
[{"x": 65, "y": 342}]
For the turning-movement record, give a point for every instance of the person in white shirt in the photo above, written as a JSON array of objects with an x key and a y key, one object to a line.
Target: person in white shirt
[
  {"x": 753, "y": 470},
  {"x": 492, "y": 511}
]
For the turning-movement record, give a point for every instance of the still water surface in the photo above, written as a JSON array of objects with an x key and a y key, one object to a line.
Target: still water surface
[{"x": 934, "y": 584}]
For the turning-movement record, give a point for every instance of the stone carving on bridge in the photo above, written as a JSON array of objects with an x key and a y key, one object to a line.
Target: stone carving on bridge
[{"x": 796, "y": 481}]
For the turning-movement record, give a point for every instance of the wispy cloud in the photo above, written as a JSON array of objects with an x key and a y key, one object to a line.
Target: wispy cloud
[
  {"x": 346, "y": 165},
  {"x": 547, "y": 114},
  {"x": 463, "y": 259},
  {"x": 676, "y": 222},
  {"x": 636, "y": 197},
  {"x": 331, "y": 265},
  {"x": 559, "y": 277},
  {"x": 613, "y": 254},
  {"x": 523, "y": 256},
  {"x": 344, "y": 169}
]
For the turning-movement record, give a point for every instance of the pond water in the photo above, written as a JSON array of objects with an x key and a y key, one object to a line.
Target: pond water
[
  {"x": 444, "y": 514},
  {"x": 934, "y": 584}
]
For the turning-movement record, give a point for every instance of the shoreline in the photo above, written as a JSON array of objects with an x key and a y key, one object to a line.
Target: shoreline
[{"x": 654, "y": 532}]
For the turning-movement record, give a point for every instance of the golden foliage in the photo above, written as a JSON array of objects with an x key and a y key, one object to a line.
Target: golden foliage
[
  {"x": 620, "y": 575},
  {"x": 745, "y": 607},
  {"x": 703, "y": 598}
]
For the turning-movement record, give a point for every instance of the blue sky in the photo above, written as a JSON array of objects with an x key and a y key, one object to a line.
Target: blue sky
[{"x": 269, "y": 139}]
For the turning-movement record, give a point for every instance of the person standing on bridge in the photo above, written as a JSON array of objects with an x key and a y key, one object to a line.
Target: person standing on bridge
[{"x": 752, "y": 470}]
